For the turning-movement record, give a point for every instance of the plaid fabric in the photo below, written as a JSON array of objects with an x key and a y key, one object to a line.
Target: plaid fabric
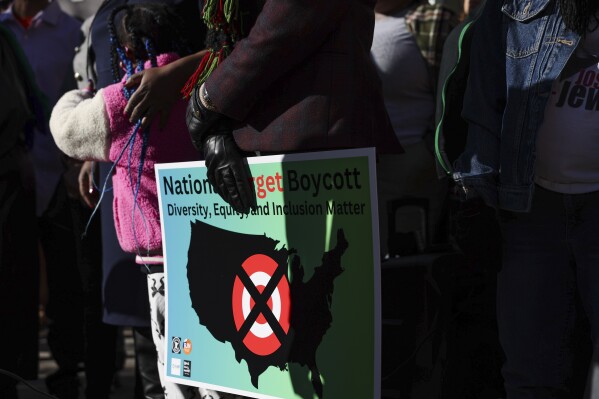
[
  {"x": 430, "y": 25},
  {"x": 303, "y": 80}
]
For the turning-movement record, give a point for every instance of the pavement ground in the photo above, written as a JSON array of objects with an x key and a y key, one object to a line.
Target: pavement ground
[{"x": 122, "y": 386}]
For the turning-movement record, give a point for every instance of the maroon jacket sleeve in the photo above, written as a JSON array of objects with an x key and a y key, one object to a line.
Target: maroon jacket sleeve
[{"x": 285, "y": 33}]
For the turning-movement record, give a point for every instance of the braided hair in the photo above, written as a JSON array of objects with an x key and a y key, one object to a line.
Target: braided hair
[
  {"x": 578, "y": 15},
  {"x": 147, "y": 30},
  {"x": 228, "y": 21}
]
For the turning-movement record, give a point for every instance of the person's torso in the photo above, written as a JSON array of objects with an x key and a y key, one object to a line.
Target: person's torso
[
  {"x": 407, "y": 90},
  {"x": 333, "y": 100},
  {"x": 538, "y": 47},
  {"x": 49, "y": 45}
]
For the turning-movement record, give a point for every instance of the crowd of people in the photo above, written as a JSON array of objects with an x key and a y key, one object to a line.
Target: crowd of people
[{"x": 484, "y": 112}]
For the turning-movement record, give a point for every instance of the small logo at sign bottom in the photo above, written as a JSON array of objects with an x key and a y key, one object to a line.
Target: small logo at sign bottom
[
  {"x": 187, "y": 346},
  {"x": 176, "y": 345},
  {"x": 186, "y": 368},
  {"x": 176, "y": 367}
]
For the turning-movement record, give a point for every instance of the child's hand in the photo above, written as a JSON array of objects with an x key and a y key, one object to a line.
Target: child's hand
[
  {"x": 155, "y": 95},
  {"x": 88, "y": 192},
  {"x": 157, "y": 89}
]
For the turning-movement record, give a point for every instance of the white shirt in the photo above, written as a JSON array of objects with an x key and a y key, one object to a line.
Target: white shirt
[{"x": 567, "y": 153}]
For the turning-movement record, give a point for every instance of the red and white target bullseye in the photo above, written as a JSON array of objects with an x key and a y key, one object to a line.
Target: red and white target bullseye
[{"x": 261, "y": 338}]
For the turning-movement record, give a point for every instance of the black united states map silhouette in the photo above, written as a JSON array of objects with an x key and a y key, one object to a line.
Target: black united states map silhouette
[{"x": 213, "y": 264}]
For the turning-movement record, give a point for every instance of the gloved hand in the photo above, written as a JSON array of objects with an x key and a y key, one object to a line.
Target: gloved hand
[
  {"x": 201, "y": 121},
  {"x": 227, "y": 172}
]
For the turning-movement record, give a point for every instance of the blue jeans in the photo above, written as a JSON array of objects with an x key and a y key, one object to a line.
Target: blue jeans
[{"x": 550, "y": 256}]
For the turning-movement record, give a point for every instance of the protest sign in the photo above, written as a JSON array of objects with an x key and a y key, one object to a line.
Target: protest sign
[{"x": 282, "y": 302}]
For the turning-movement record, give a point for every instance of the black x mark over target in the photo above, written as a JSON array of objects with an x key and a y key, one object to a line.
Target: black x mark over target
[{"x": 261, "y": 303}]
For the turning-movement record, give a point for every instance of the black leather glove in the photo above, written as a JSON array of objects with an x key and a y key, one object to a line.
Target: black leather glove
[
  {"x": 228, "y": 172},
  {"x": 201, "y": 121}
]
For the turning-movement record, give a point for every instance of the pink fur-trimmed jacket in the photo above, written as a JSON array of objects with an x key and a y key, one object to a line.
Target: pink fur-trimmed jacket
[{"x": 96, "y": 128}]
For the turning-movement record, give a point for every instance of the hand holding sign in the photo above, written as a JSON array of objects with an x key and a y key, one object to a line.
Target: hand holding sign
[{"x": 227, "y": 172}]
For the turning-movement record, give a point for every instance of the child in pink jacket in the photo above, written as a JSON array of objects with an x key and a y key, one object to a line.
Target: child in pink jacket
[{"x": 95, "y": 127}]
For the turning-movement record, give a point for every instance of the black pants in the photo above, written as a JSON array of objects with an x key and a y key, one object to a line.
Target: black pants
[
  {"x": 147, "y": 380},
  {"x": 19, "y": 282},
  {"x": 76, "y": 331},
  {"x": 547, "y": 284}
]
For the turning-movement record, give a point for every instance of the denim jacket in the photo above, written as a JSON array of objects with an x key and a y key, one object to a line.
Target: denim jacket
[{"x": 519, "y": 47}]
